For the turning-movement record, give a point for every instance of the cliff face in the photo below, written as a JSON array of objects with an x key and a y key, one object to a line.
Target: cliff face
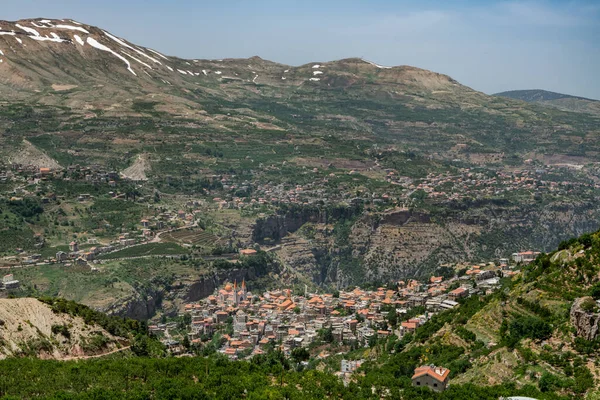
[
  {"x": 143, "y": 306},
  {"x": 402, "y": 243},
  {"x": 277, "y": 226},
  {"x": 586, "y": 323}
]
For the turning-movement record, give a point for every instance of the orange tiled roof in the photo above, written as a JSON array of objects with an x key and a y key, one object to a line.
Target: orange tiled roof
[{"x": 437, "y": 373}]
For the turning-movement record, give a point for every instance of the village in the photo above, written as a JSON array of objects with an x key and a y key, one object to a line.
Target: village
[
  {"x": 245, "y": 324},
  {"x": 228, "y": 191}
]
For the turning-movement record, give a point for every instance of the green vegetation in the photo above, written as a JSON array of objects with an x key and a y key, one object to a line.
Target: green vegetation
[
  {"x": 148, "y": 249},
  {"x": 265, "y": 377}
]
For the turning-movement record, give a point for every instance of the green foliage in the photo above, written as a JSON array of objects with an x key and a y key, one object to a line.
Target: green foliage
[
  {"x": 148, "y": 249},
  {"x": 61, "y": 330},
  {"x": 527, "y": 327}
]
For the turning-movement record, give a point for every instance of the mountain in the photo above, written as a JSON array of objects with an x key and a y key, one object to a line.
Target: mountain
[
  {"x": 348, "y": 170},
  {"x": 552, "y": 99}
]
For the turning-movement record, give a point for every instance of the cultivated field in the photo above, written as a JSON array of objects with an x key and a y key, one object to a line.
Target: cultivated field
[{"x": 191, "y": 237}]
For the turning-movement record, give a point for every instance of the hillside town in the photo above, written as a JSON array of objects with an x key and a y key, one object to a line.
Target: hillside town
[
  {"x": 247, "y": 323},
  {"x": 228, "y": 191}
]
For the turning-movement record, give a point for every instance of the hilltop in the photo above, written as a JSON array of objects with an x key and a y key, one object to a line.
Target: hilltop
[
  {"x": 30, "y": 327},
  {"x": 552, "y": 99}
]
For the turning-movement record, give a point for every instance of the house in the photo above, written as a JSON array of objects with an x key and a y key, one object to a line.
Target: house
[
  {"x": 349, "y": 366},
  {"x": 10, "y": 282},
  {"x": 458, "y": 293},
  {"x": 525, "y": 256},
  {"x": 435, "y": 378},
  {"x": 73, "y": 246},
  {"x": 408, "y": 327},
  {"x": 247, "y": 252},
  {"x": 61, "y": 256}
]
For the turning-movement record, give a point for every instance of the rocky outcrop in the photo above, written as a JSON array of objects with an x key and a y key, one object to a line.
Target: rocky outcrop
[
  {"x": 139, "y": 306},
  {"x": 206, "y": 285},
  {"x": 145, "y": 303},
  {"x": 277, "y": 226},
  {"x": 586, "y": 323}
]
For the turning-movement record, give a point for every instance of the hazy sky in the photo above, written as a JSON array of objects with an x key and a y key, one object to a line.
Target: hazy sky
[{"x": 489, "y": 45}]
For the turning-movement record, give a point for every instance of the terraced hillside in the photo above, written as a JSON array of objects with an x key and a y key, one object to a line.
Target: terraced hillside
[{"x": 539, "y": 330}]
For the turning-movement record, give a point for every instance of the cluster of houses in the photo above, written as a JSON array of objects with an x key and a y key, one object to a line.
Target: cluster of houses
[
  {"x": 439, "y": 186},
  {"x": 251, "y": 322},
  {"x": 468, "y": 182}
]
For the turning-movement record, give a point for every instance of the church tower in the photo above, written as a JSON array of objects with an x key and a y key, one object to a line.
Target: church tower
[
  {"x": 235, "y": 293},
  {"x": 244, "y": 297}
]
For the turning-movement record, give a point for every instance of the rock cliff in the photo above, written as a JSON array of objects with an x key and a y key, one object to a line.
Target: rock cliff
[{"x": 586, "y": 323}]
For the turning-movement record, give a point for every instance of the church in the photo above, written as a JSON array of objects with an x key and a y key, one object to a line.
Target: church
[{"x": 233, "y": 295}]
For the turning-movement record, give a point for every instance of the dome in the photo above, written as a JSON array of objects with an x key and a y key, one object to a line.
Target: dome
[{"x": 228, "y": 287}]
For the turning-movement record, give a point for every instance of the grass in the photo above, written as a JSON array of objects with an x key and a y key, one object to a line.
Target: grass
[
  {"x": 192, "y": 237},
  {"x": 149, "y": 249}
]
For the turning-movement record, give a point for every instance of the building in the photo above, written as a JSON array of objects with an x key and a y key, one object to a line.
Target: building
[
  {"x": 247, "y": 252},
  {"x": 435, "y": 378},
  {"x": 458, "y": 293},
  {"x": 9, "y": 282},
  {"x": 61, "y": 256},
  {"x": 73, "y": 246},
  {"x": 350, "y": 366},
  {"x": 525, "y": 256}
]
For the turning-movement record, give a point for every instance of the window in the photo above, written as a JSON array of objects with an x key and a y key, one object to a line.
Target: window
[
  {"x": 435, "y": 385},
  {"x": 418, "y": 383}
]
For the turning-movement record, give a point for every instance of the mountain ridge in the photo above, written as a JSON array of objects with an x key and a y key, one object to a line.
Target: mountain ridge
[{"x": 560, "y": 101}]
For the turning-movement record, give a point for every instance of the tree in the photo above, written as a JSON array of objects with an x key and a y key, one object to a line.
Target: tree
[{"x": 300, "y": 354}]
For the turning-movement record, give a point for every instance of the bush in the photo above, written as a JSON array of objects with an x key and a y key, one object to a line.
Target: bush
[{"x": 61, "y": 330}]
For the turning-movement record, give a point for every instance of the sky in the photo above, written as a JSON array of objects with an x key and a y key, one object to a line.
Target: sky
[{"x": 491, "y": 46}]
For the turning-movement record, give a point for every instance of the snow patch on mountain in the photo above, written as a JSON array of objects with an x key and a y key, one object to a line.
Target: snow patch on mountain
[
  {"x": 136, "y": 59},
  {"x": 55, "y": 39},
  {"x": 79, "y": 40},
  {"x": 94, "y": 43},
  {"x": 28, "y": 29},
  {"x": 158, "y": 54},
  {"x": 73, "y": 28},
  {"x": 122, "y": 43},
  {"x": 376, "y": 65}
]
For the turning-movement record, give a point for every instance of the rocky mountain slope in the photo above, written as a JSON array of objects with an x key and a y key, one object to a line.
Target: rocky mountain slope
[
  {"x": 29, "y": 327},
  {"x": 79, "y": 71},
  {"x": 552, "y": 99}
]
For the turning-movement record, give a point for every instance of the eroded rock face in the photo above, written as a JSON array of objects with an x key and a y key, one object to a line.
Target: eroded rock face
[{"x": 586, "y": 323}]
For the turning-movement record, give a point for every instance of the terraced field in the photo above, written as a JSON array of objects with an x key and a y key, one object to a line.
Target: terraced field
[
  {"x": 191, "y": 237},
  {"x": 144, "y": 250}
]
